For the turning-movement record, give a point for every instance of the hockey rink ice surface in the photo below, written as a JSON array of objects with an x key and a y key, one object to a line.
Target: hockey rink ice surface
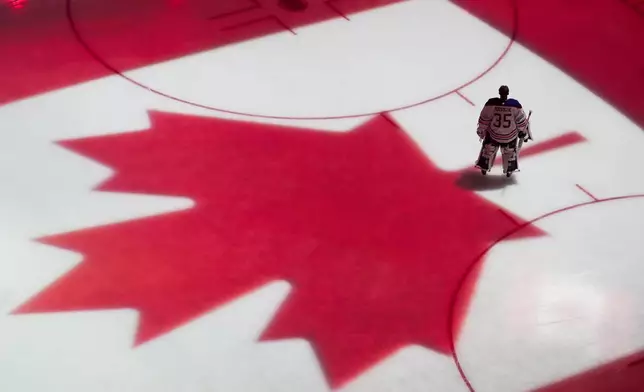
[{"x": 279, "y": 196}]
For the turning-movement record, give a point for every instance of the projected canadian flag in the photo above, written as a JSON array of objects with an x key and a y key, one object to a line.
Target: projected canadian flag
[{"x": 343, "y": 217}]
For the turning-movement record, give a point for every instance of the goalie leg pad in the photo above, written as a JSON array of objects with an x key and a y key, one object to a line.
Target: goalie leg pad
[
  {"x": 510, "y": 157},
  {"x": 487, "y": 155}
]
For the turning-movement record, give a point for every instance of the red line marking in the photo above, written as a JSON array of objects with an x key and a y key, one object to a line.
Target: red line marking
[
  {"x": 252, "y": 7},
  {"x": 335, "y": 9},
  {"x": 460, "y": 94},
  {"x": 258, "y": 20},
  {"x": 581, "y": 188},
  {"x": 480, "y": 258}
]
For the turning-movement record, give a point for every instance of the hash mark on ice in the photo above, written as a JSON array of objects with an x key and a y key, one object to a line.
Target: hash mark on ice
[
  {"x": 460, "y": 94},
  {"x": 258, "y": 20},
  {"x": 510, "y": 218},
  {"x": 389, "y": 119},
  {"x": 329, "y": 3},
  {"x": 581, "y": 188}
]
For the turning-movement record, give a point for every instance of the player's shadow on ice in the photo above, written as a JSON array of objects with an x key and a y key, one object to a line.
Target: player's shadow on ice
[{"x": 473, "y": 180}]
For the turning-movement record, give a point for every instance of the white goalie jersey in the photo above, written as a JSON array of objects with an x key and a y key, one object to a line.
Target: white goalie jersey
[{"x": 502, "y": 121}]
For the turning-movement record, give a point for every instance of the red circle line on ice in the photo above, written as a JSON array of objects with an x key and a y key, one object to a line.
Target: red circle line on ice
[
  {"x": 477, "y": 262},
  {"x": 105, "y": 63}
]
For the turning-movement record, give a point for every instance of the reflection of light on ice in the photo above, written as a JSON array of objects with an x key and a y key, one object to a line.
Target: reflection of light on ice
[
  {"x": 570, "y": 312},
  {"x": 17, "y": 3}
]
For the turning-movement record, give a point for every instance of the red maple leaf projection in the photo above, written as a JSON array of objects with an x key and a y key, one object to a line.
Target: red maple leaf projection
[{"x": 373, "y": 237}]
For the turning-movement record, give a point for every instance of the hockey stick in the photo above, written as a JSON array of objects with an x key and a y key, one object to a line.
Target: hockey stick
[
  {"x": 521, "y": 141},
  {"x": 528, "y": 127}
]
